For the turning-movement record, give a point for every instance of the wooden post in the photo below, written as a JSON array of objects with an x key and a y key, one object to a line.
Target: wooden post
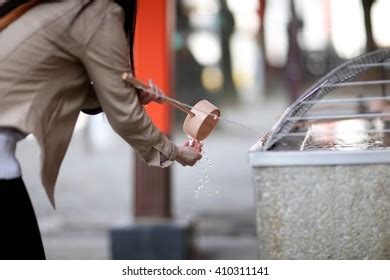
[
  {"x": 162, "y": 238},
  {"x": 153, "y": 60}
]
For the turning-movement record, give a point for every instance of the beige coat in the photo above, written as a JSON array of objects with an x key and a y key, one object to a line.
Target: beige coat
[{"x": 47, "y": 63}]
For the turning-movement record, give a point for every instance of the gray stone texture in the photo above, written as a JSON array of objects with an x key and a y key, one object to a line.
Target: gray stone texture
[{"x": 323, "y": 212}]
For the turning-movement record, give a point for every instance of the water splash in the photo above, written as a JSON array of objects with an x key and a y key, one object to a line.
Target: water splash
[
  {"x": 207, "y": 159},
  {"x": 204, "y": 181},
  {"x": 203, "y": 178}
]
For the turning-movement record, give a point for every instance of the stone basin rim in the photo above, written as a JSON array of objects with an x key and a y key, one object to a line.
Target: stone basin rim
[{"x": 318, "y": 158}]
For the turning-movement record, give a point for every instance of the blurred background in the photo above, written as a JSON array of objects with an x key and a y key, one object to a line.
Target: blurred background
[{"x": 251, "y": 58}]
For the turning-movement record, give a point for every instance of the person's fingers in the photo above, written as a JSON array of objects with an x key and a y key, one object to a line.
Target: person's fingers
[
  {"x": 186, "y": 143},
  {"x": 193, "y": 162},
  {"x": 152, "y": 88},
  {"x": 141, "y": 97},
  {"x": 156, "y": 89},
  {"x": 157, "y": 92},
  {"x": 146, "y": 99},
  {"x": 142, "y": 94},
  {"x": 199, "y": 147}
]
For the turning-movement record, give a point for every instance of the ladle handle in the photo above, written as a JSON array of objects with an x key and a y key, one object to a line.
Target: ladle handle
[{"x": 140, "y": 85}]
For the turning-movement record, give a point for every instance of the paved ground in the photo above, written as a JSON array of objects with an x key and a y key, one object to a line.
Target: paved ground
[{"x": 94, "y": 188}]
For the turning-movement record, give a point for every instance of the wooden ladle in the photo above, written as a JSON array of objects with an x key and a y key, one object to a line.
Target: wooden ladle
[{"x": 200, "y": 120}]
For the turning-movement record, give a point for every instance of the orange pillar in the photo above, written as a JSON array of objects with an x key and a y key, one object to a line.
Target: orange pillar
[
  {"x": 153, "y": 58},
  {"x": 153, "y": 53}
]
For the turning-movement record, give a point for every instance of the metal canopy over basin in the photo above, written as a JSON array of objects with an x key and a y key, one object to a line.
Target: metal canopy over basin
[{"x": 322, "y": 174}]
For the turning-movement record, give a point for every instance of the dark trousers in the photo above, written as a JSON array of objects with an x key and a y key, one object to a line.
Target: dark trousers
[{"x": 20, "y": 238}]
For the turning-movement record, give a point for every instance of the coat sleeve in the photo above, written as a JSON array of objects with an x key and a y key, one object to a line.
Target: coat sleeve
[{"x": 105, "y": 59}]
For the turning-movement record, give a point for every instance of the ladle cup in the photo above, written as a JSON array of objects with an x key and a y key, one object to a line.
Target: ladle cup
[
  {"x": 204, "y": 120},
  {"x": 200, "y": 120}
]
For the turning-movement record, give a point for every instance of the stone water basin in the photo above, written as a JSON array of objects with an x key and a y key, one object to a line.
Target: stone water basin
[{"x": 325, "y": 193}]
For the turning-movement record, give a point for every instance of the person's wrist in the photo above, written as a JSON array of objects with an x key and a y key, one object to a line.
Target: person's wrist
[
  {"x": 162, "y": 159},
  {"x": 177, "y": 153}
]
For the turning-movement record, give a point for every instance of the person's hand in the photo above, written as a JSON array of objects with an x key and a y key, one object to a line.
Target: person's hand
[
  {"x": 189, "y": 153},
  {"x": 153, "y": 94},
  {"x": 197, "y": 145}
]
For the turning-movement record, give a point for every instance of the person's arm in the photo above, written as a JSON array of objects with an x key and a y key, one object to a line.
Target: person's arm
[{"x": 106, "y": 59}]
